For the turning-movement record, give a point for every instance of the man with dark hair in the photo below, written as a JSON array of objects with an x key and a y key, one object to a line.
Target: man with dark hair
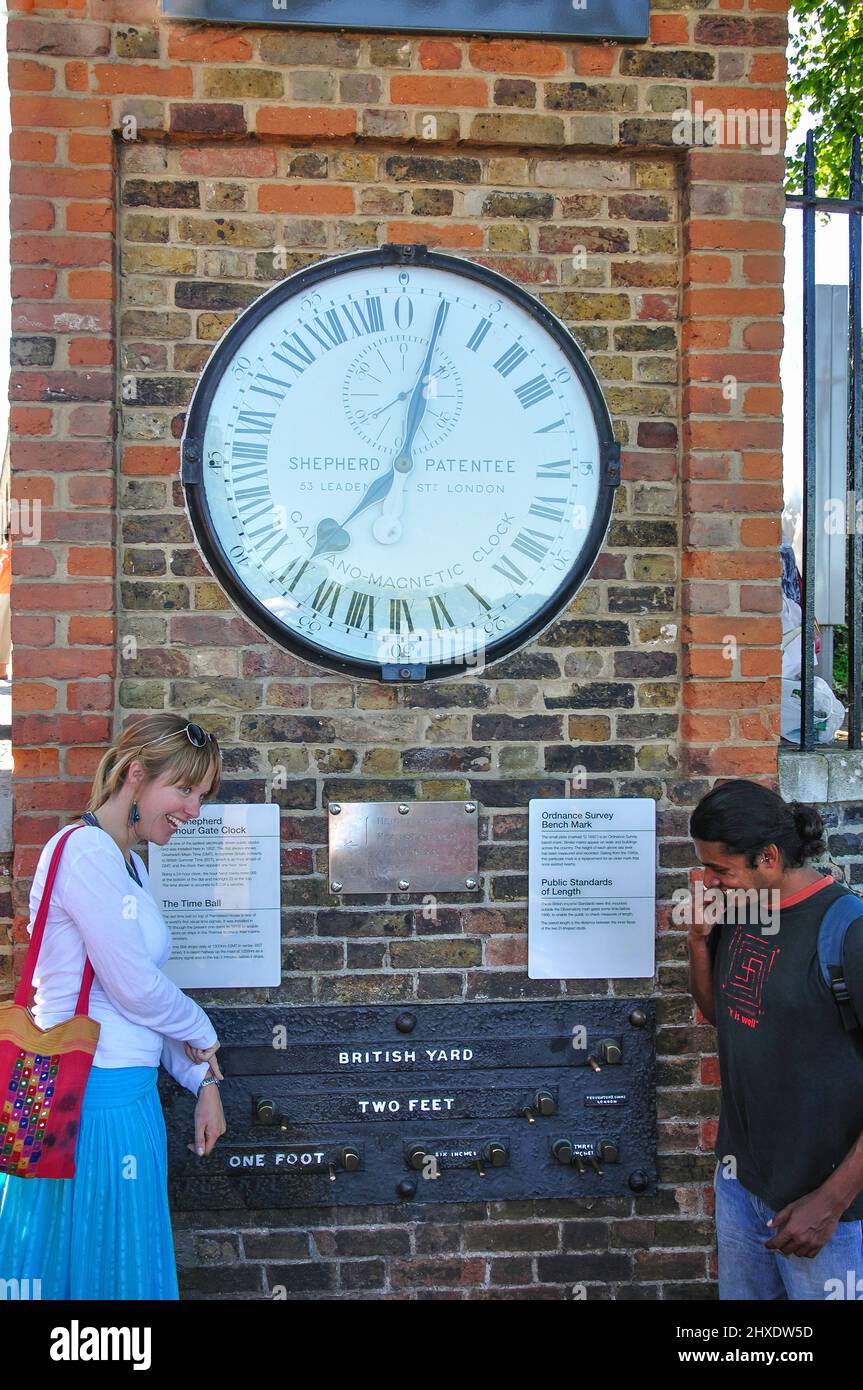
[{"x": 789, "y": 1182}]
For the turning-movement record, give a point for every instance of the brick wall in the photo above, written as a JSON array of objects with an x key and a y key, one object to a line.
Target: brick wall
[{"x": 256, "y": 151}]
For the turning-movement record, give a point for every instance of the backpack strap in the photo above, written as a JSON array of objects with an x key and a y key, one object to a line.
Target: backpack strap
[{"x": 831, "y": 940}]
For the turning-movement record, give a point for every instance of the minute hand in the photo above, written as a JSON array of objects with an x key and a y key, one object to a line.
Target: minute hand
[{"x": 419, "y": 398}]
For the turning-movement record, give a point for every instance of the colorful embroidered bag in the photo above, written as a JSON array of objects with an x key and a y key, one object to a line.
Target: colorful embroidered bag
[{"x": 43, "y": 1071}]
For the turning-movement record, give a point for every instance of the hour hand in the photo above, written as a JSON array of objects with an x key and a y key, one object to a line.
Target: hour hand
[{"x": 332, "y": 534}]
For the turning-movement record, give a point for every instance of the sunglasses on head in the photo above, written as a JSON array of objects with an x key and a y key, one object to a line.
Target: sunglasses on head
[{"x": 194, "y": 733}]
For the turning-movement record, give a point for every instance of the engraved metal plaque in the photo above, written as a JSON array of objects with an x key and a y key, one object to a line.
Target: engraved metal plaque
[
  {"x": 403, "y": 847},
  {"x": 416, "y": 1103}
]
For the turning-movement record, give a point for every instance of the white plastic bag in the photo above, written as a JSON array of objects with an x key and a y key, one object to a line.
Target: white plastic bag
[{"x": 829, "y": 712}]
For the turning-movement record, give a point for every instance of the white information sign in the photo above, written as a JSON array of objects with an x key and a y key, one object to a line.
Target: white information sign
[
  {"x": 217, "y": 882},
  {"x": 592, "y": 889}
]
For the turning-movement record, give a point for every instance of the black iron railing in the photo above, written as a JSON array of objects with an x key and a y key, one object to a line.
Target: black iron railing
[{"x": 852, "y": 206}]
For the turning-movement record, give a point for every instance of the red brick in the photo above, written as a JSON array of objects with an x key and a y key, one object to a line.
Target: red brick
[
  {"x": 704, "y": 333},
  {"x": 62, "y": 250},
  {"x": 438, "y": 91},
  {"x": 63, "y": 728},
  {"x": 656, "y": 306},
  {"x": 59, "y": 317},
  {"x": 706, "y": 270},
  {"x": 506, "y": 950},
  {"x": 77, "y": 77},
  {"x": 63, "y": 663},
  {"x": 749, "y": 632},
  {"x": 61, "y": 112},
  {"x": 64, "y": 598},
  {"x": 729, "y": 564},
  {"x": 439, "y": 53},
  {"x": 768, "y": 67},
  {"x": 737, "y": 99},
  {"x": 669, "y": 28},
  {"x": 302, "y": 198},
  {"x": 734, "y": 434},
  {"x": 149, "y": 461},
  {"x": 91, "y": 284},
  {"x": 62, "y": 456},
  {"x": 95, "y": 560},
  {"x": 764, "y": 270},
  {"x": 33, "y": 146},
  {"x": 142, "y": 79},
  {"x": 733, "y": 303},
  {"x": 305, "y": 121},
  {"x": 35, "y": 561},
  {"x": 36, "y": 762},
  {"x": 63, "y": 183},
  {"x": 516, "y": 56},
  {"x": 704, "y": 728},
  {"x": 594, "y": 60},
  {"x": 744, "y": 366},
  {"x": 207, "y": 44},
  {"x": 31, "y": 215},
  {"x": 761, "y": 663},
  {"x": 761, "y": 531},
  {"x": 90, "y": 217},
  {"x": 763, "y": 335},
  {"x": 37, "y": 632},
  {"x": 428, "y": 234},
  {"x": 86, "y": 491},
  {"x": 216, "y": 159},
  {"x": 28, "y": 76},
  {"x": 100, "y": 632},
  {"x": 77, "y": 39},
  {"x": 30, "y": 420},
  {"x": 82, "y": 762},
  {"x": 37, "y": 796},
  {"x": 92, "y": 352},
  {"x": 727, "y": 233},
  {"x": 731, "y": 762},
  {"x": 30, "y": 695},
  {"x": 717, "y": 166},
  {"x": 730, "y": 694},
  {"x": 763, "y": 400},
  {"x": 33, "y": 284},
  {"x": 91, "y": 695},
  {"x": 91, "y": 421},
  {"x": 732, "y": 498},
  {"x": 91, "y": 149}
]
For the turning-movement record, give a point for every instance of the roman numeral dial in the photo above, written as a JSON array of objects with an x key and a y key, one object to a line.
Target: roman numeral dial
[{"x": 400, "y": 463}]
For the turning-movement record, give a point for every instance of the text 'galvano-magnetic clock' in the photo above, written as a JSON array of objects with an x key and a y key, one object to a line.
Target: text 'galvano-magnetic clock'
[{"x": 399, "y": 464}]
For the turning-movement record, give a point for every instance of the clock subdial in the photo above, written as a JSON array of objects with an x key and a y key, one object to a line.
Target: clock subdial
[{"x": 378, "y": 386}]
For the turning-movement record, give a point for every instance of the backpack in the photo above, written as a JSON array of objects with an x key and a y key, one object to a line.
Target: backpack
[{"x": 831, "y": 939}]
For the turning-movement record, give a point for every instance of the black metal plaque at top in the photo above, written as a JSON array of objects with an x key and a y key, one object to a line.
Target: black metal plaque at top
[
  {"x": 595, "y": 19},
  {"x": 424, "y": 1103}
]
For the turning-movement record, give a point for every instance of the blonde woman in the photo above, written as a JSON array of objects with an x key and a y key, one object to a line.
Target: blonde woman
[{"x": 106, "y": 1232}]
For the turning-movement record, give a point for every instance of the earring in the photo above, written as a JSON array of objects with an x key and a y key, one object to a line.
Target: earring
[{"x": 134, "y": 817}]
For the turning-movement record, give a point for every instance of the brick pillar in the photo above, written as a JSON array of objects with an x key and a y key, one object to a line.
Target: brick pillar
[{"x": 62, "y": 422}]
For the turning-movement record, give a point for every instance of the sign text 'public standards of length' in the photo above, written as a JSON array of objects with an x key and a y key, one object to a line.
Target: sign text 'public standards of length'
[{"x": 592, "y": 876}]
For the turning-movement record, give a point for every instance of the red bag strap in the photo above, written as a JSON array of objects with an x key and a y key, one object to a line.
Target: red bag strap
[{"x": 22, "y": 994}]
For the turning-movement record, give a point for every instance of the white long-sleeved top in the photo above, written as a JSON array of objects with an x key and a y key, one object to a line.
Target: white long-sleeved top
[{"x": 98, "y": 910}]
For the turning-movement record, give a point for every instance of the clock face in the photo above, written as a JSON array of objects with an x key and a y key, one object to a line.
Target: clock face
[{"x": 398, "y": 459}]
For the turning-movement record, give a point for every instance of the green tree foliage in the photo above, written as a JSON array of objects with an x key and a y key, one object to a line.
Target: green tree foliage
[{"x": 825, "y": 78}]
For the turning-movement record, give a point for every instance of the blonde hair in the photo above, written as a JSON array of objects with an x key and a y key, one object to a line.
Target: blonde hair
[{"x": 187, "y": 764}]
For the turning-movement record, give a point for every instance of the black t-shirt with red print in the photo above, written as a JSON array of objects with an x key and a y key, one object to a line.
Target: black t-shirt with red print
[{"x": 792, "y": 1076}]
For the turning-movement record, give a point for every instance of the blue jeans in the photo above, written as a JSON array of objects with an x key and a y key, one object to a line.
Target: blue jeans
[{"x": 748, "y": 1271}]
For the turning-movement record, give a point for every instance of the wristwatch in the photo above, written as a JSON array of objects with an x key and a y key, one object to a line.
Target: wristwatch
[{"x": 209, "y": 1081}]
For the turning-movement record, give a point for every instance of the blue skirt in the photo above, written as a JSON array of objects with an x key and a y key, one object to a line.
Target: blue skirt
[{"x": 106, "y": 1233}]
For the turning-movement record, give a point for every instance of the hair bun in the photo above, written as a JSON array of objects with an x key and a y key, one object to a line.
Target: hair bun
[{"x": 808, "y": 822}]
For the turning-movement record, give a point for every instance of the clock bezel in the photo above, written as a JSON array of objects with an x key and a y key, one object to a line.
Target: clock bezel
[{"x": 208, "y": 540}]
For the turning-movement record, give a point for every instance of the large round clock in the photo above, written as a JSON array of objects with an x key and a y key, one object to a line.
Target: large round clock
[{"x": 399, "y": 464}]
